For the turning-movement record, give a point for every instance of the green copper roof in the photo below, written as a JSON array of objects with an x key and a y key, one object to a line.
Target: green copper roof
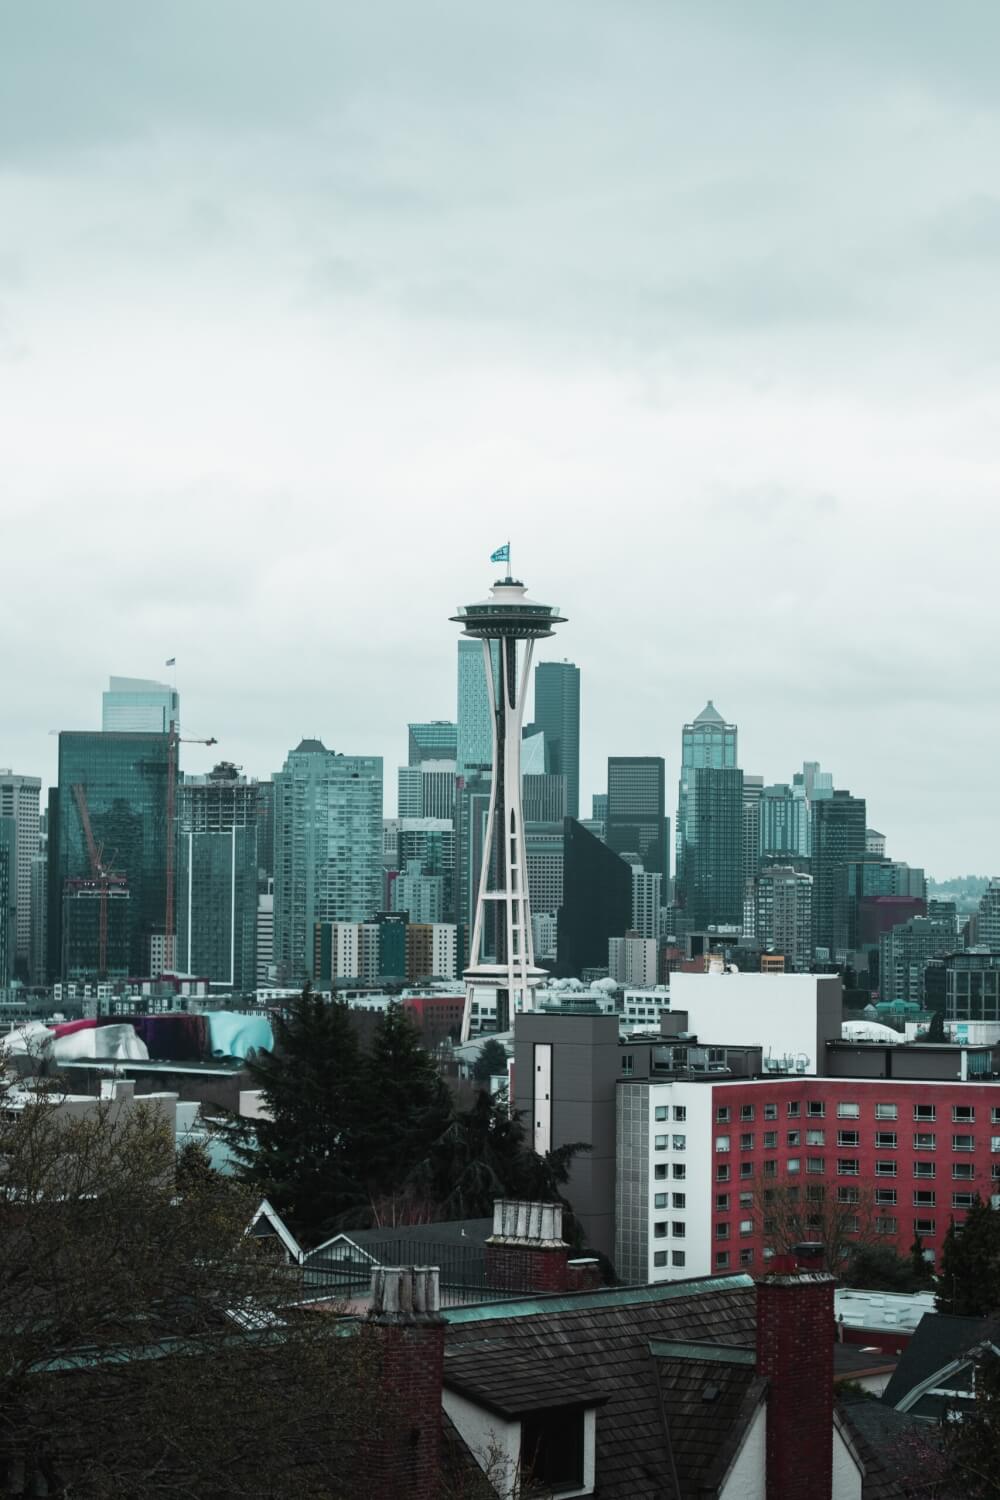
[{"x": 621, "y": 1296}]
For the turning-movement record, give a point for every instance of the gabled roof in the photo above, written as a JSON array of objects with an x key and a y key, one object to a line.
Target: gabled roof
[
  {"x": 268, "y": 1223},
  {"x": 939, "y": 1340},
  {"x": 893, "y": 1447},
  {"x": 709, "y": 1397},
  {"x": 468, "y": 1232}
]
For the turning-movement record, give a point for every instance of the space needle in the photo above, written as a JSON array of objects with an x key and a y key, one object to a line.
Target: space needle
[{"x": 500, "y": 622}]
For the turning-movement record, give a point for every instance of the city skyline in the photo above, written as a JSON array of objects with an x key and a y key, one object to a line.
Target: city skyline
[{"x": 708, "y": 317}]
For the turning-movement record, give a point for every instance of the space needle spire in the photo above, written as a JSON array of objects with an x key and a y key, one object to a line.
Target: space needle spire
[{"x": 509, "y": 971}]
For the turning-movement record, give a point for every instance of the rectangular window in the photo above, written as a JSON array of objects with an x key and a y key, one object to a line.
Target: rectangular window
[
  {"x": 924, "y": 1198},
  {"x": 848, "y": 1138},
  {"x": 816, "y": 1165},
  {"x": 924, "y": 1112},
  {"x": 746, "y": 1226},
  {"x": 962, "y": 1200},
  {"x": 660, "y": 1142},
  {"x": 963, "y": 1114},
  {"x": 771, "y": 1113},
  {"x": 887, "y": 1111},
  {"x": 722, "y": 1114},
  {"x": 659, "y": 1200},
  {"x": 885, "y": 1168},
  {"x": 679, "y": 1200},
  {"x": 816, "y": 1108},
  {"x": 793, "y": 1108},
  {"x": 815, "y": 1137},
  {"x": 746, "y": 1112},
  {"x": 995, "y": 1115},
  {"x": 852, "y": 1223},
  {"x": 721, "y": 1259},
  {"x": 770, "y": 1169},
  {"x": 680, "y": 1141},
  {"x": 722, "y": 1143},
  {"x": 746, "y": 1141},
  {"x": 660, "y": 1229},
  {"x": 677, "y": 1229},
  {"x": 995, "y": 1171},
  {"x": 924, "y": 1169},
  {"x": 966, "y": 1170},
  {"x": 721, "y": 1203},
  {"x": 678, "y": 1171},
  {"x": 885, "y": 1195},
  {"x": 771, "y": 1140},
  {"x": 677, "y": 1257},
  {"x": 628, "y": 1066},
  {"x": 746, "y": 1200},
  {"x": 963, "y": 1143},
  {"x": 793, "y": 1137},
  {"x": 680, "y": 1113},
  {"x": 848, "y": 1195},
  {"x": 848, "y": 1111},
  {"x": 885, "y": 1140},
  {"x": 746, "y": 1257},
  {"x": 848, "y": 1166},
  {"x": 722, "y": 1172},
  {"x": 659, "y": 1257},
  {"x": 995, "y": 1142},
  {"x": 722, "y": 1230},
  {"x": 660, "y": 1112},
  {"x": 660, "y": 1171},
  {"x": 793, "y": 1165},
  {"x": 924, "y": 1140},
  {"x": 885, "y": 1224},
  {"x": 746, "y": 1168},
  {"x": 924, "y": 1226},
  {"x": 815, "y": 1192}
]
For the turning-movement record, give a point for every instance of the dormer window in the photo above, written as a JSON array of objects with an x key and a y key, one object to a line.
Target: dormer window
[{"x": 552, "y": 1450}]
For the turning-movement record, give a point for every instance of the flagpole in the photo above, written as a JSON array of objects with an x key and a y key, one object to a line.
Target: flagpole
[{"x": 509, "y": 573}]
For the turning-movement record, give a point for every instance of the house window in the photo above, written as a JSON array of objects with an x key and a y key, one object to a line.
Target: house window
[
  {"x": 848, "y": 1166},
  {"x": 962, "y": 1200},
  {"x": 963, "y": 1143},
  {"x": 771, "y": 1140},
  {"x": 995, "y": 1142},
  {"x": 885, "y": 1140},
  {"x": 815, "y": 1137},
  {"x": 680, "y": 1141},
  {"x": 793, "y": 1137},
  {"x": 680, "y": 1112},
  {"x": 722, "y": 1230},
  {"x": 771, "y": 1112},
  {"x": 885, "y": 1195},
  {"x": 886, "y": 1111},
  {"x": 746, "y": 1226},
  {"x": 966, "y": 1170},
  {"x": 793, "y": 1108},
  {"x": 963, "y": 1114},
  {"x": 815, "y": 1192},
  {"x": 746, "y": 1200},
  {"x": 924, "y": 1169},
  {"x": 793, "y": 1165},
  {"x": 924, "y": 1198},
  {"x": 924, "y": 1226},
  {"x": 924, "y": 1140},
  {"x": 721, "y": 1259},
  {"x": 660, "y": 1229},
  {"x": 995, "y": 1170},
  {"x": 924, "y": 1112},
  {"x": 659, "y": 1257},
  {"x": 816, "y": 1108},
  {"x": 679, "y": 1171},
  {"x": 677, "y": 1229},
  {"x": 628, "y": 1065},
  {"x": 659, "y": 1200},
  {"x": 746, "y": 1112},
  {"x": 678, "y": 1257},
  {"x": 723, "y": 1114},
  {"x": 816, "y": 1165},
  {"x": 848, "y": 1195},
  {"x": 885, "y": 1168},
  {"x": 995, "y": 1115},
  {"x": 552, "y": 1448},
  {"x": 721, "y": 1203},
  {"x": 679, "y": 1200},
  {"x": 770, "y": 1169},
  {"x": 660, "y": 1171},
  {"x": 660, "y": 1142},
  {"x": 722, "y": 1172},
  {"x": 746, "y": 1168},
  {"x": 746, "y": 1141},
  {"x": 848, "y": 1138},
  {"x": 746, "y": 1257},
  {"x": 852, "y": 1223},
  {"x": 885, "y": 1224},
  {"x": 660, "y": 1113},
  {"x": 722, "y": 1143},
  {"x": 848, "y": 1111}
]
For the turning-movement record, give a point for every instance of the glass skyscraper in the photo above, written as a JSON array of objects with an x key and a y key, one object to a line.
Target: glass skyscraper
[
  {"x": 119, "y": 782},
  {"x": 837, "y": 837},
  {"x": 475, "y": 728},
  {"x": 557, "y": 715},
  {"x": 713, "y": 882},
  {"x": 136, "y": 705},
  {"x": 636, "y": 819},
  {"x": 327, "y": 847},
  {"x": 707, "y": 741},
  {"x": 435, "y": 740},
  {"x": 217, "y": 876}
]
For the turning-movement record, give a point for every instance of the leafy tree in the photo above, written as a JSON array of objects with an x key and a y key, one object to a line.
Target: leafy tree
[
  {"x": 920, "y": 1269},
  {"x": 403, "y": 1106},
  {"x": 304, "y": 1158},
  {"x": 492, "y": 1060},
  {"x": 877, "y": 1268},
  {"x": 145, "y": 1346},
  {"x": 971, "y": 1446},
  {"x": 969, "y": 1276}
]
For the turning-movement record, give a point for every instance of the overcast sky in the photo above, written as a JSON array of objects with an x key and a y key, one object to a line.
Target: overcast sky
[{"x": 305, "y": 308}]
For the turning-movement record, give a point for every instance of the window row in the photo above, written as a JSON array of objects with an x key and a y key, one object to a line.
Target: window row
[
  {"x": 885, "y": 1140},
  {"x": 816, "y": 1108}
]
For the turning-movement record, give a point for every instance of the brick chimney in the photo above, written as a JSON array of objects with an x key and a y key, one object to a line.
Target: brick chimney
[
  {"x": 795, "y": 1337},
  {"x": 405, "y": 1458},
  {"x": 526, "y": 1251}
]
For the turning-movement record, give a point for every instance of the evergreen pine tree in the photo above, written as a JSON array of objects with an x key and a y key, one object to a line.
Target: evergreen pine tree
[
  {"x": 492, "y": 1060},
  {"x": 304, "y": 1157},
  {"x": 969, "y": 1275},
  {"x": 404, "y": 1105}
]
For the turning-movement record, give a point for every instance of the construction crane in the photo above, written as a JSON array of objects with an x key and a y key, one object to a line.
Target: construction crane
[
  {"x": 174, "y": 738},
  {"x": 104, "y": 877}
]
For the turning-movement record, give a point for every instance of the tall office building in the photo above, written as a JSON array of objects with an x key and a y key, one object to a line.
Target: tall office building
[
  {"x": 599, "y": 807},
  {"x": 265, "y": 836},
  {"x": 636, "y": 821},
  {"x": 426, "y": 790},
  {"x": 597, "y": 901},
  {"x": 783, "y": 914},
  {"x": 327, "y": 846},
  {"x": 474, "y": 735},
  {"x": 265, "y": 937},
  {"x": 40, "y": 903},
  {"x": 713, "y": 882},
  {"x": 905, "y": 952},
  {"x": 707, "y": 741},
  {"x": 136, "y": 705},
  {"x": 557, "y": 715},
  {"x": 988, "y": 916},
  {"x": 19, "y": 797},
  {"x": 543, "y": 844},
  {"x": 8, "y": 905},
  {"x": 429, "y": 843},
  {"x": 837, "y": 836},
  {"x": 647, "y": 899},
  {"x": 435, "y": 740},
  {"x": 544, "y": 798},
  {"x": 110, "y": 802},
  {"x": 217, "y": 878},
  {"x": 784, "y": 822},
  {"x": 753, "y": 791}
]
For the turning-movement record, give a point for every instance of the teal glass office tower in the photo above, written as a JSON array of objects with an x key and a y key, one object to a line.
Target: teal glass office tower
[
  {"x": 837, "y": 837},
  {"x": 122, "y": 784},
  {"x": 327, "y": 848},
  {"x": 435, "y": 740},
  {"x": 217, "y": 875},
  {"x": 557, "y": 715},
  {"x": 636, "y": 817},
  {"x": 137, "y": 705},
  {"x": 713, "y": 880},
  {"x": 707, "y": 741}
]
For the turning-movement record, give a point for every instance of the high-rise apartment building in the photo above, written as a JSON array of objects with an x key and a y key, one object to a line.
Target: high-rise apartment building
[
  {"x": 8, "y": 906},
  {"x": 783, "y": 914},
  {"x": 988, "y": 916},
  {"x": 265, "y": 937},
  {"x": 420, "y": 896},
  {"x": 426, "y": 790},
  {"x": 435, "y": 740},
  {"x": 636, "y": 821},
  {"x": 753, "y": 791},
  {"x": 713, "y": 882},
  {"x": 40, "y": 903},
  {"x": 474, "y": 735},
  {"x": 837, "y": 837},
  {"x": 111, "y": 799},
  {"x": 136, "y": 705},
  {"x": 647, "y": 899},
  {"x": 19, "y": 797},
  {"x": 906, "y": 950},
  {"x": 217, "y": 878},
  {"x": 557, "y": 715},
  {"x": 328, "y": 847},
  {"x": 429, "y": 844},
  {"x": 784, "y": 822},
  {"x": 632, "y": 960},
  {"x": 707, "y": 741}
]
